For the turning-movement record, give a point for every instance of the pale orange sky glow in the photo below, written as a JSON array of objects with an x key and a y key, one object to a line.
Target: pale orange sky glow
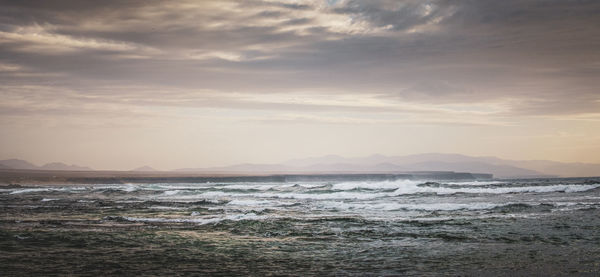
[{"x": 117, "y": 85}]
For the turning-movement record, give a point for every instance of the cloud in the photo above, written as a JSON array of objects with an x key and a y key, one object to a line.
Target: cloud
[
  {"x": 236, "y": 80},
  {"x": 37, "y": 38},
  {"x": 530, "y": 55}
]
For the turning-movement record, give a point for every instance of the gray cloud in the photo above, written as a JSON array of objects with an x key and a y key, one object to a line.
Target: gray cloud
[
  {"x": 397, "y": 15},
  {"x": 544, "y": 52},
  {"x": 228, "y": 81}
]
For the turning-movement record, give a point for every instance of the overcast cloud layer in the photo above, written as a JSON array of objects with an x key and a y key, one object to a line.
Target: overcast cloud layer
[{"x": 118, "y": 84}]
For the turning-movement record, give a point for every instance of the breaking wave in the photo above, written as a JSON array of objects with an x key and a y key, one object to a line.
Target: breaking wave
[{"x": 200, "y": 221}]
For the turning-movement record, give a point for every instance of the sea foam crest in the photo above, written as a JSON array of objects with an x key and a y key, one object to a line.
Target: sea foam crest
[
  {"x": 32, "y": 190},
  {"x": 201, "y": 221},
  {"x": 411, "y": 187},
  {"x": 412, "y": 206},
  {"x": 498, "y": 190}
]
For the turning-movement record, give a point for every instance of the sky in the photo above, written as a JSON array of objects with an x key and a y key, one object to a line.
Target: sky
[{"x": 171, "y": 84}]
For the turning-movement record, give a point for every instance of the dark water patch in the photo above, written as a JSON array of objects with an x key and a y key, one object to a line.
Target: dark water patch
[
  {"x": 470, "y": 185},
  {"x": 350, "y": 230},
  {"x": 116, "y": 218},
  {"x": 206, "y": 202},
  {"x": 451, "y": 237},
  {"x": 295, "y": 204},
  {"x": 522, "y": 207},
  {"x": 113, "y": 191},
  {"x": 430, "y": 184},
  {"x": 290, "y": 227},
  {"x": 344, "y": 219},
  {"x": 451, "y": 186},
  {"x": 266, "y": 227},
  {"x": 201, "y": 252},
  {"x": 200, "y": 203}
]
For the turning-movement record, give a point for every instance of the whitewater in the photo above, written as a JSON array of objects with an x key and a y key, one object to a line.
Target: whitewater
[
  {"x": 394, "y": 227},
  {"x": 393, "y": 199}
]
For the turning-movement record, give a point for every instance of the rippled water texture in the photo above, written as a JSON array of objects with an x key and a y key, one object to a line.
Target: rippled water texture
[{"x": 401, "y": 227}]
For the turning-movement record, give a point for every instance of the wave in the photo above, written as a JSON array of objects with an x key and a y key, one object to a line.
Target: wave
[
  {"x": 248, "y": 202},
  {"x": 356, "y": 191},
  {"x": 171, "y": 192},
  {"x": 49, "y": 199},
  {"x": 412, "y": 207},
  {"x": 413, "y": 187},
  {"x": 33, "y": 190},
  {"x": 429, "y": 207},
  {"x": 318, "y": 191},
  {"x": 200, "y": 221},
  {"x": 496, "y": 190}
]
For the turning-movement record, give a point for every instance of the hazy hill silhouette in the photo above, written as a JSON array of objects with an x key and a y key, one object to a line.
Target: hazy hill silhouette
[
  {"x": 419, "y": 162},
  {"x": 376, "y": 163},
  {"x": 22, "y": 164}
]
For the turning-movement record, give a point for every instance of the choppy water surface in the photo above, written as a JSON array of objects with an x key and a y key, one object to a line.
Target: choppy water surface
[{"x": 548, "y": 227}]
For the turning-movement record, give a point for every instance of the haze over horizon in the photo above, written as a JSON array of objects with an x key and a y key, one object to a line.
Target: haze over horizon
[{"x": 122, "y": 84}]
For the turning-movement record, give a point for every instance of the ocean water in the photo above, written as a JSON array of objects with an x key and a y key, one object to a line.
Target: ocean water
[{"x": 397, "y": 227}]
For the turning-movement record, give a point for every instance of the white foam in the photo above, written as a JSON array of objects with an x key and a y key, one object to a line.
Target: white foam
[
  {"x": 571, "y": 206},
  {"x": 203, "y": 220},
  {"x": 250, "y": 187},
  {"x": 249, "y": 202},
  {"x": 179, "y": 186},
  {"x": 121, "y": 187},
  {"x": 30, "y": 190},
  {"x": 411, "y": 187},
  {"x": 500, "y": 190},
  {"x": 130, "y": 188},
  {"x": 346, "y": 191},
  {"x": 171, "y": 192},
  {"x": 310, "y": 186},
  {"x": 375, "y": 185},
  {"x": 49, "y": 199},
  {"x": 411, "y": 206},
  {"x": 260, "y": 205},
  {"x": 332, "y": 195},
  {"x": 272, "y": 186}
]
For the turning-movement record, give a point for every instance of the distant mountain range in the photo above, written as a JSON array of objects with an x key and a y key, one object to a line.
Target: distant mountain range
[
  {"x": 21, "y": 164},
  {"x": 501, "y": 168}
]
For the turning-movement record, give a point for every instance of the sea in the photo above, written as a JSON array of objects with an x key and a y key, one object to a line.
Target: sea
[{"x": 499, "y": 227}]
